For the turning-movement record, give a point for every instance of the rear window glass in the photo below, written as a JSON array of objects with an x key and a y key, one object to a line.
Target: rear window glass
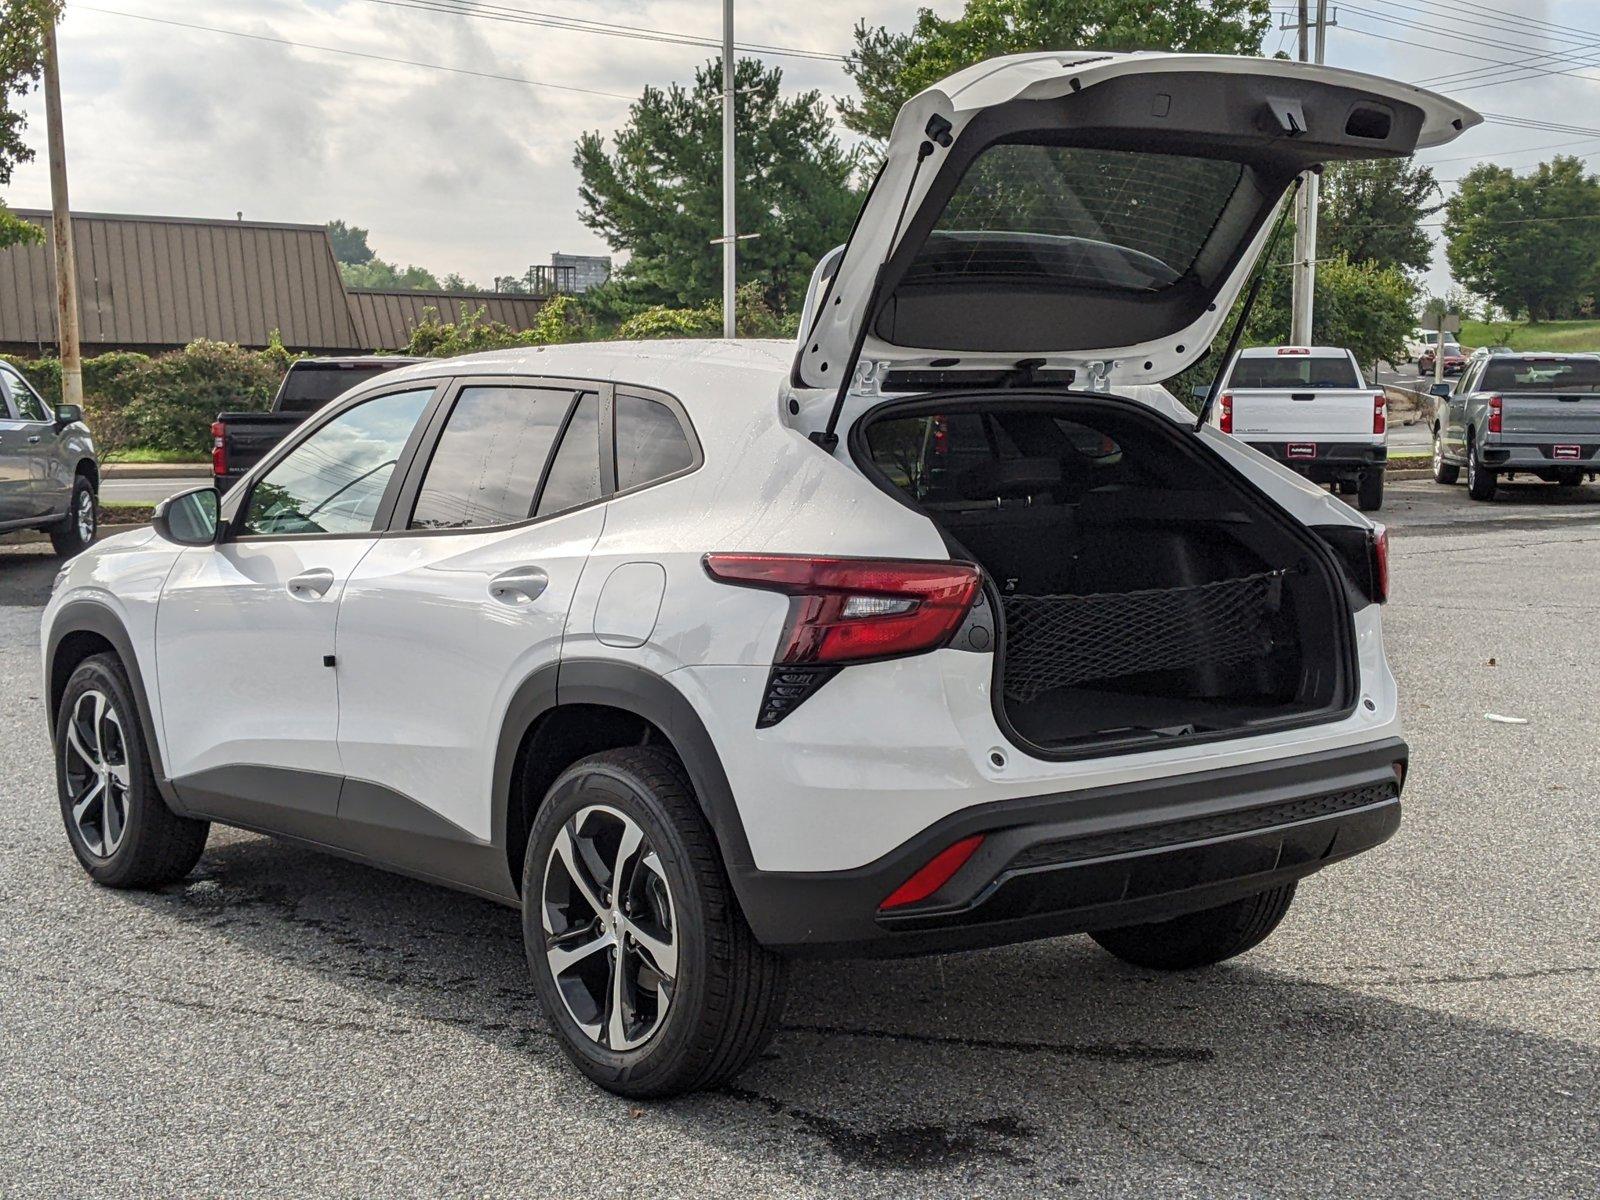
[
  {"x": 308, "y": 388},
  {"x": 1580, "y": 375},
  {"x": 650, "y": 442},
  {"x": 1078, "y": 217},
  {"x": 1297, "y": 371}
]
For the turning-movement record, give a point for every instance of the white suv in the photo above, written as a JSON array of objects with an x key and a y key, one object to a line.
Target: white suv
[{"x": 942, "y": 628}]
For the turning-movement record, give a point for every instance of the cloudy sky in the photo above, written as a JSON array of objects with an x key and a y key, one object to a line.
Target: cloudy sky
[{"x": 458, "y": 172}]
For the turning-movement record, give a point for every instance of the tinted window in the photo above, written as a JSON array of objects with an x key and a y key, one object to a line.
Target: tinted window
[
  {"x": 490, "y": 458},
  {"x": 962, "y": 457},
  {"x": 334, "y": 480},
  {"x": 1295, "y": 371},
  {"x": 650, "y": 442},
  {"x": 574, "y": 477},
  {"x": 308, "y": 388},
  {"x": 1080, "y": 217},
  {"x": 1572, "y": 375},
  {"x": 26, "y": 405}
]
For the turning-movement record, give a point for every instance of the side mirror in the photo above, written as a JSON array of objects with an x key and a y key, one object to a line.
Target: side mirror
[
  {"x": 189, "y": 518},
  {"x": 68, "y": 414},
  {"x": 1440, "y": 390}
]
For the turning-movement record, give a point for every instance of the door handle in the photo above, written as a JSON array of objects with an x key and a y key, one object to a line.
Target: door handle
[
  {"x": 311, "y": 585},
  {"x": 519, "y": 585},
  {"x": 34, "y": 440}
]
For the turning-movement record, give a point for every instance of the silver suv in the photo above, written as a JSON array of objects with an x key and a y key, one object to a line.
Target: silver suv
[{"x": 49, "y": 474}]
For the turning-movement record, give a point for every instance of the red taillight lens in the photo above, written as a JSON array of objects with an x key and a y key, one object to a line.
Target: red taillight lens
[
  {"x": 846, "y": 610},
  {"x": 1226, "y": 420},
  {"x": 219, "y": 449},
  {"x": 941, "y": 435},
  {"x": 1380, "y": 563},
  {"x": 1496, "y": 413},
  {"x": 1380, "y": 413},
  {"x": 933, "y": 876}
]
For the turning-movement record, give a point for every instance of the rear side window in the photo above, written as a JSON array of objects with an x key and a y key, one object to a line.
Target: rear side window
[
  {"x": 1308, "y": 371},
  {"x": 25, "y": 405},
  {"x": 574, "y": 477},
  {"x": 491, "y": 457},
  {"x": 309, "y": 388},
  {"x": 651, "y": 443}
]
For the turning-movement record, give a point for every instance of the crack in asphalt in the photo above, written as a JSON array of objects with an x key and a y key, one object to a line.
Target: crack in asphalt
[{"x": 1104, "y": 1051}]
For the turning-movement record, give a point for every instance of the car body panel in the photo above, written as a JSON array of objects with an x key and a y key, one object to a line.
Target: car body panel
[
  {"x": 40, "y": 456},
  {"x": 1539, "y": 431}
]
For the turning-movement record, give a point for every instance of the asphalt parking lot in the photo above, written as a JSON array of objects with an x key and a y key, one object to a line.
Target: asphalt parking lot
[{"x": 1425, "y": 1022}]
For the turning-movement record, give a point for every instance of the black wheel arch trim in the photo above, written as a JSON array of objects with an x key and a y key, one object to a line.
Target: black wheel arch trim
[
  {"x": 88, "y": 616},
  {"x": 647, "y": 695}
]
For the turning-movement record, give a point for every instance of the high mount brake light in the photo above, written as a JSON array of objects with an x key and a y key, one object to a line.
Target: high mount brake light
[{"x": 848, "y": 610}]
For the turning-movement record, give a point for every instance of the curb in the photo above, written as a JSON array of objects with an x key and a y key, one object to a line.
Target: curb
[{"x": 154, "y": 470}]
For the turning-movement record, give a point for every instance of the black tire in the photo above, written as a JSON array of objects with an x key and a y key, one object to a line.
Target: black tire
[
  {"x": 151, "y": 845},
  {"x": 1443, "y": 472},
  {"x": 727, "y": 991},
  {"x": 1370, "y": 496},
  {"x": 1569, "y": 478},
  {"x": 76, "y": 532},
  {"x": 1201, "y": 938},
  {"x": 1481, "y": 481}
]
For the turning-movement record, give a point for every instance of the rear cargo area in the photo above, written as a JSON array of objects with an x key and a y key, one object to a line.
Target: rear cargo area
[{"x": 1145, "y": 593}]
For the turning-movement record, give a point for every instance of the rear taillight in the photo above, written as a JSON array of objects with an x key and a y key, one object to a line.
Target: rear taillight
[
  {"x": 941, "y": 435},
  {"x": 219, "y": 449},
  {"x": 1380, "y": 413},
  {"x": 1496, "y": 413},
  {"x": 848, "y": 610},
  {"x": 934, "y": 874},
  {"x": 1378, "y": 541},
  {"x": 1226, "y": 420}
]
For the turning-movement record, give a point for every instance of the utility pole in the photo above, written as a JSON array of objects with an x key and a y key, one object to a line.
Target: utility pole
[
  {"x": 61, "y": 229},
  {"x": 1305, "y": 223},
  {"x": 730, "y": 237}
]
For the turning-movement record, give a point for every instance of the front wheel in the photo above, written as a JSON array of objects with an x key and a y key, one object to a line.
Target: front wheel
[
  {"x": 1370, "y": 496},
  {"x": 117, "y": 822},
  {"x": 648, "y": 973},
  {"x": 1481, "y": 482},
  {"x": 1443, "y": 472},
  {"x": 1201, "y": 938},
  {"x": 77, "y": 529}
]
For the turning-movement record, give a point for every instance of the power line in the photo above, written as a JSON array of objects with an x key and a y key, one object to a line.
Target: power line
[{"x": 405, "y": 62}]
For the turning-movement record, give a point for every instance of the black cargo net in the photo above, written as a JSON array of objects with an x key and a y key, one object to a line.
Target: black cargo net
[{"x": 1060, "y": 641}]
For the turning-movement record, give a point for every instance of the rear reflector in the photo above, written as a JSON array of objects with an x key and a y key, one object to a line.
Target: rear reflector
[
  {"x": 935, "y": 874},
  {"x": 848, "y": 610}
]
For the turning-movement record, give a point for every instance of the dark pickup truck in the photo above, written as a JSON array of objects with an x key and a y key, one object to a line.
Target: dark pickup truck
[{"x": 239, "y": 440}]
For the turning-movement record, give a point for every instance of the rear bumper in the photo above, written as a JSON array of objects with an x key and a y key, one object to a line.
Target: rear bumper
[
  {"x": 1542, "y": 455},
  {"x": 1330, "y": 460},
  {"x": 1078, "y": 861}
]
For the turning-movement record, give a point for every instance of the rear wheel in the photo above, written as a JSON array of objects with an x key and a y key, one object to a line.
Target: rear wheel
[
  {"x": 640, "y": 955},
  {"x": 77, "y": 529},
  {"x": 119, "y": 826},
  {"x": 1370, "y": 497},
  {"x": 1201, "y": 938},
  {"x": 1481, "y": 481},
  {"x": 1443, "y": 472}
]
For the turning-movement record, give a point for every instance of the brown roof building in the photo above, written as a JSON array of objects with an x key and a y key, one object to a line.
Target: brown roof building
[{"x": 159, "y": 283}]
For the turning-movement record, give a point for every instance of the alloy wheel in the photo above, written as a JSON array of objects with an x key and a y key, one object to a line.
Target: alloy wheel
[
  {"x": 85, "y": 517},
  {"x": 611, "y": 928},
  {"x": 95, "y": 757},
  {"x": 1438, "y": 453}
]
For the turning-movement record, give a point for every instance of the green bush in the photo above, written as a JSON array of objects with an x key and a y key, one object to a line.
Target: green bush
[{"x": 561, "y": 319}]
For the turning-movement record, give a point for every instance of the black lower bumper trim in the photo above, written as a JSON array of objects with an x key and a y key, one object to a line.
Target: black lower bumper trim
[{"x": 1073, "y": 862}]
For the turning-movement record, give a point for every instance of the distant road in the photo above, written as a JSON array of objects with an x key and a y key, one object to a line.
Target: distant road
[{"x": 148, "y": 491}]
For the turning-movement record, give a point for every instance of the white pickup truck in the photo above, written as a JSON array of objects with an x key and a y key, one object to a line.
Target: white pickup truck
[{"x": 1308, "y": 407}]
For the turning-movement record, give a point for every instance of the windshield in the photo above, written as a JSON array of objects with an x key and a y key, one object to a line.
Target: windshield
[
  {"x": 1308, "y": 371},
  {"x": 1571, "y": 375},
  {"x": 306, "y": 388}
]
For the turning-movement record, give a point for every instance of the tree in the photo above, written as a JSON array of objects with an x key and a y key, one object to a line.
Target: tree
[
  {"x": 1372, "y": 211},
  {"x": 1529, "y": 243},
  {"x": 349, "y": 243},
  {"x": 890, "y": 68},
  {"x": 658, "y": 194},
  {"x": 389, "y": 276},
  {"x": 22, "y": 28}
]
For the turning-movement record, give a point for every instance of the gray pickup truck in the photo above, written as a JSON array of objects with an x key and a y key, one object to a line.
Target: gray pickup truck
[
  {"x": 49, "y": 473},
  {"x": 1511, "y": 414}
]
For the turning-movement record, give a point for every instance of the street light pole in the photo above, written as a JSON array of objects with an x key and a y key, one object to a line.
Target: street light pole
[
  {"x": 61, "y": 229},
  {"x": 730, "y": 243}
]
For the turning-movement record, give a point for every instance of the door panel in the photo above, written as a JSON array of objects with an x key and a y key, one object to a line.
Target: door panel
[{"x": 435, "y": 634}]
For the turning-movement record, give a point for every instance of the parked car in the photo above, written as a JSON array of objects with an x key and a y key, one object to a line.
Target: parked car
[
  {"x": 1419, "y": 342},
  {"x": 1455, "y": 360},
  {"x": 1308, "y": 408},
  {"x": 49, "y": 472},
  {"x": 1510, "y": 414},
  {"x": 687, "y": 650},
  {"x": 239, "y": 440}
]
